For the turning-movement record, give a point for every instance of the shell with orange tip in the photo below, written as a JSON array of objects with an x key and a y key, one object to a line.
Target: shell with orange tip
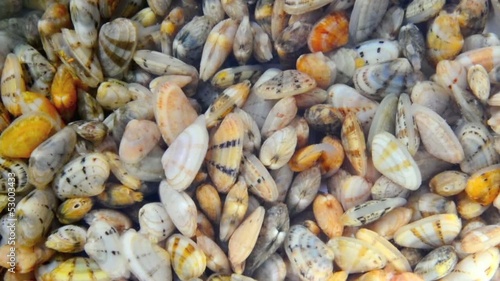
[
  {"x": 332, "y": 157},
  {"x": 12, "y": 84},
  {"x": 444, "y": 39},
  {"x": 233, "y": 96},
  {"x": 209, "y": 201},
  {"x": 225, "y": 151},
  {"x": 327, "y": 211},
  {"x": 488, "y": 57},
  {"x": 319, "y": 67},
  {"x": 329, "y": 33},
  {"x": 63, "y": 92},
  {"x": 484, "y": 185},
  {"x": 26, "y": 133},
  {"x": 139, "y": 138},
  {"x": 353, "y": 141},
  {"x": 31, "y": 101}
]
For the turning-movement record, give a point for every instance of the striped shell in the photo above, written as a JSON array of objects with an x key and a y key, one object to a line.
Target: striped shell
[
  {"x": 353, "y": 255},
  {"x": 258, "y": 178},
  {"x": 353, "y": 141},
  {"x": 67, "y": 239},
  {"x": 78, "y": 268},
  {"x": 180, "y": 208},
  {"x": 188, "y": 260}
]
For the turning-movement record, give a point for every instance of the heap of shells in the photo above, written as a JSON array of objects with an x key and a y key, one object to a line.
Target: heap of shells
[{"x": 250, "y": 140}]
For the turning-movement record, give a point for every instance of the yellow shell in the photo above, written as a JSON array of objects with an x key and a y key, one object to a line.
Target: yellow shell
[
  {"x": 444, "y": 38},
  {"x": 12, "y": 84},
  {"x": 74, "y": 209},
  {"x": 353, "y": 141},
  {"x": 327, "y": 211},
  {"x": 78, "y": 268},
  {"x": 25, "y": 134},
  {"x": 484, "y": 185},
  {"x": 188, "y": 260}
]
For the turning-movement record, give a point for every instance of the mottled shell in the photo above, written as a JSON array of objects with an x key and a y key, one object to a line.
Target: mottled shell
[
  {"x": 437, "y": 264},
  {"x": 310, "y": 258},
  {"x": 67, "y": 239},
  {"x": 370, "y": 211},
  {"x": 483, "y": 186},
  {"x": 234, "y": 209},
  {"x": 233, "y": 96},
  {"x": 329, "y": 33},
  {"x": 117, "y": 43},
  {"x": 421, "y": 10},
  {"x": 444, "y": 39},
  {"x": 188, "y": 260},
  {"x": 258, "y": 178},
  {"x": 286, "y": 83}
]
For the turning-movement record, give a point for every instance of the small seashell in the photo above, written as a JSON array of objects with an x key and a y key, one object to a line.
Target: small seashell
[
  {"x": 406, "y": 128},
  {"x": 188, "y": 260},
  {"x": 472, "y": 16},
  {"x": 390, "y": 24},
  {"x": 209, "y": 201},
  {"x": 437, "y": 264},
  {"x": 481, "y": 239},
  {"x": 353, "y": 141},
  {"x": 429, "y": 232},
  {"x": 292, "y": 42},
  {"x": 258, "y": 179},
  {"x": 444, "y": 39},
  {"x": 243, "y": 40},
  {"x": 118, "y": 196},
  {"x": 324, "y": 118},
  {"x": 479, "y": 266},
  {"x": 412, "y": 44},
  {"x": 467, "y": 208},
  {"x": 67, "y": 239},
  {"x": 327, "y": 211},
  {"x": 354, "y": 256},
  {"x": 145, "y": 259},
  {"x": 73, "y": 209},
  {"x": 388, "y": 224},
  {"x": 303, "y": 190},
  {"x": 394, "y": 161},
  {"x": 383, "y": 187},
  {"x": 432, "y": 95},
  {"x": 225, "y": 152},
  {"x": 86, "y": 19},
  {"x": 432, "y": 204},
  {"x": 244, "y": 238},
  {"x": 436, "y": 135},
  {"x": 479, "y": 82},
  {"x": 154, "y": 222},
  {"x": 12, "y": 84},
  {"x": 483, "y": 186},
  {"x": 377, "y": 51},
  {"x": 262, "y": 45},
  {"x": 180, "y": 208},
  {"x": 88, "y": 108},
  {"x": 302, "y": 130},
  {"x": 83, "y": 176},
  {"x": 310, "y": 258},
  {"x": 384, "y": 119},
  {"x": 278, "y": 148},
  {"x": 274, "y": 268},
  {"x": 313, "y": 97},
  {"x": 370, "y": 211},
  {"x": 216, "y": 259},
  {"x": 286, "y": 83},
  {"x": 365, "y": 17},
  {"x": 217, "y": 47},
  {"x": 188, "y": 42},
  {"x": 229, "y": 76},
  {"x": 329, "y": 33},
  {"x": 234, "y": 209},
  {"x": 345, "y": 60},
  {"x": 78, "y": 268},
  {"x": 114, "y": 218},
  {"x": 272, "y": 234},
  {"x": 477, "y": 144},
  {"x": 319, "y": 67},
  {"x": 234, "y": 96},
  {"x": 350, "y": 190},
  {"x": 423, "y": 10}
]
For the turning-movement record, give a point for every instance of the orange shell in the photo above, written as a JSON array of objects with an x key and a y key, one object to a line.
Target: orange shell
[
  {"x": 63, "y": 93},
  {"x": 484, "y": 185},
  {"x": 329, "y": 33}
]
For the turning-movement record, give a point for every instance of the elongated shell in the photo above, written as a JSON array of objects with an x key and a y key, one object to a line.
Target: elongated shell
[
  {"x": 225, "y": 152},
  {"x": 286, "y": 83},
  {"x": 370, "y": 211},
  {"x": 353, "y": 255},
  {"x": 12, "y": 84},
  {"x": 86, "y": 19},
  {"x": 180, "y": 208},
  {"x": 427, "y": 233},
  {"x": 67, "y": 239},
  {"x": 406, "y": 128},
  {"x": 394, "y": 161},
  {"x": 104, "y": 246},
  {"x": 437, "y": 264},
  {"x": 478, "y": 266},
  {"x": 146, "y": 261},
  {"x": 310, "y": 258},
  {"x": 353, "y": 141},
  {"x": 258, "y": 178},
  {"x": 188, "y": 260},
  {"x": 235, "y": 207}
]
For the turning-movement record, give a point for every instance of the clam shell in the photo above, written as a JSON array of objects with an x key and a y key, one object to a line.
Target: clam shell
[
  {"x": 354, "y": 256},
  {"x": 479, "y": 82},
  {"x": 478, "y": 266},
  {"x": 77, "y": 268},
  {"x": 278, "y": 148},
  {"x": 365, "y": 17},
  {"x": 188, "y": 260},
  {"x": 406, "y": 128},
  {"x": 154, "y": 222},
  {"x": 73, "y": 209},
  {"x": 86, "y": 19},
  {"x": 390, "y": 24},
  {"x": 387, "y": 225},
  {"x": 370, "y": 211},
  {"x": 304, "y": 188},
  {"x": 378, "y": 51},
  {"x": 104, "y": 246},
  {"x": 383, "y": 187},
  {"x": 327, "y": 211},
  {"x": 209, "y": 201},
  {"x": 353, "y": 141},
  {"x": 394, "y": 161},
  {"x": 216, "y": 259},
  {"x": 430, "y": 232},
  {"x": 384, "y": 119},
  {"x": 117, "y": 43},
  {"x": 139, "y": 138},
  {"x": 188, "y": 42},
  {"x": 437, "y": 264},
  {"x": 329, "y": 33},
  {"x": 258, "y": 179},
  {"x": 234, "y": 96},
  {"x": 114, "y": 218},
  {"x": 225, "y": 152},
  {"x": 234, "y": 209},
  {"x": 295, "y": 7},
  {"x": 444, "y": 39},
  {"x": 483, "y": 186},
  {"x": 421, "y": 10},
  {"x": 311, "y": 63},
  {"x": 477, "y": 143},
  {"x": 180, "y": 208},
  {"x": 285, "y": 84},
  {"x": 352, "y": 191},
  {"x": 310, "y": 258},
  {"x": 67, "y": 239},
  {"x": 145, "y": 259}
]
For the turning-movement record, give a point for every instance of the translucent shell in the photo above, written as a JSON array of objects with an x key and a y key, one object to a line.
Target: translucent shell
[
  {"x": 370, "y": 211},
  {"x": 188, "y": 260},
  {"x": 73, "y": 209},
  {"x": 444, "y": 39},
  {"x": 436, "y": 135},
  {"x": 225, "y": 152},
  {"x": 353, "y": 255},
  {"x": 183, "y": 158},
  {"x": 117, "y": 43},
  {"x": 258, "y": 178},
  {"x": 394, "y": 161},
  {"x": 12, "y": 84},
  {"x": 67, "y": 239},
  {"x": 310, "y": 258},
  {"x": 481, "y": 239},
  {"x": 20, "y": 139},
  {"x": 329, "y": 33},
  {"x": 78, "y": 268},
  {"x": 484, "y": 185},
  {"x": 286, "y": 83},
  {"x": 437, "y": 264},
  {"x": 244, "y": 238},
  {"x": 353, "y": 141},
  {"x": 180, "y": 208},
  {"x": 327, "y": 210},
  {"x": 430, "y": 232},
  {"x": 82, "y": 177},
  {"x": 146, "y": 261}
]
